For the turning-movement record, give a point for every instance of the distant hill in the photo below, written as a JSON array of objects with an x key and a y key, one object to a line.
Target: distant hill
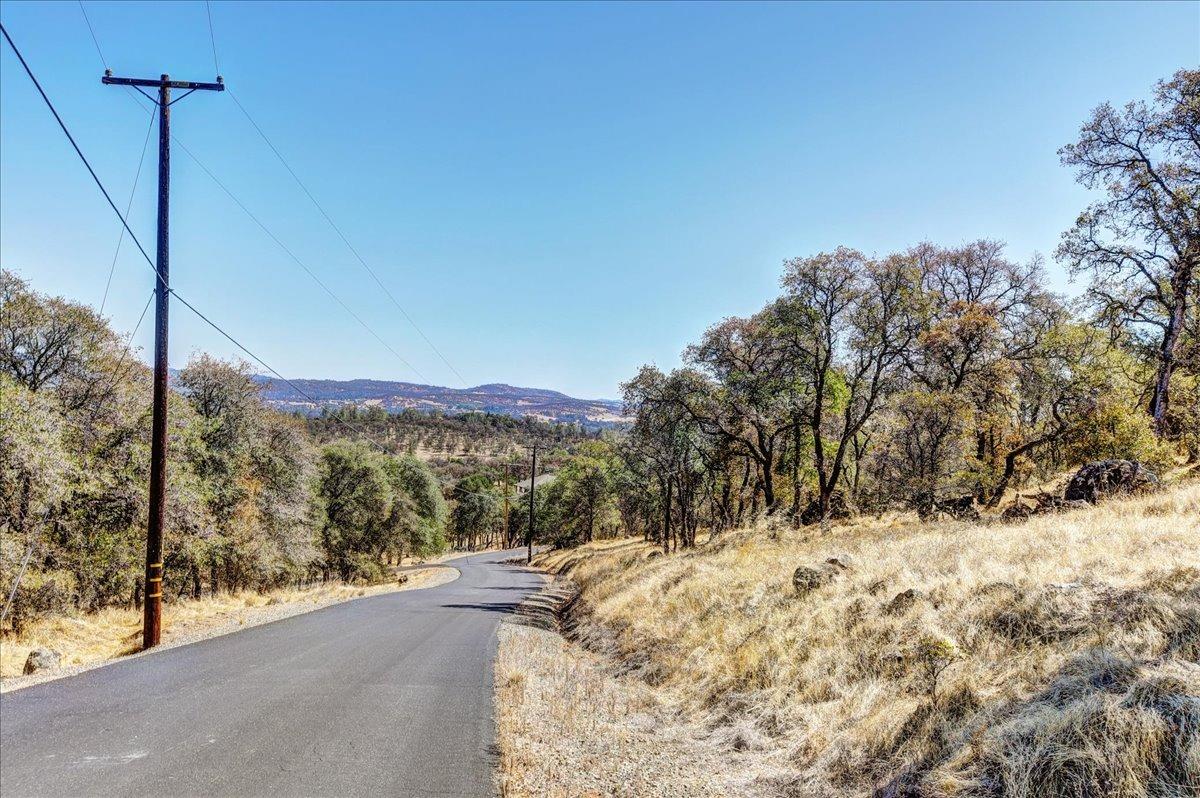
[{"x": 395, "y": 397}]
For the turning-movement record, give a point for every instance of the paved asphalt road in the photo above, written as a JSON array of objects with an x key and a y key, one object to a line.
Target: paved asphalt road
[{"x": 387, "y": 695}]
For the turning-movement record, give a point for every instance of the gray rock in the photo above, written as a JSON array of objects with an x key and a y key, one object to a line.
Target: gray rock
[
  {"x": 843, "y": 562},
  {"x": 1018, "y": 511},
  {"x": 805, "y": 579},
  {"x": 904, "y": 601},
  {"x": 1103, "y": 478},
  {"x": 41, "y": 659}
]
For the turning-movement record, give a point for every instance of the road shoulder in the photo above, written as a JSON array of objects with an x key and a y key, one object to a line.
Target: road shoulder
[
  {"x": 567, "y": 724},
  {"x": 190, "y": 622}
]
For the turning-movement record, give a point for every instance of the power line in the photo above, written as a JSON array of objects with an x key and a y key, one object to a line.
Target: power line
[
  {"x": 230, "y": 194},
  {"x": 299, "y": 262},
  {"x": 133, "y": 236},
  {"x": 125, "y": 225},
  {"x": 78, "y": 151},
  {"x": 92, "y": 31},
  {"x": 128, "y": 206},
  {"x": 141, "y": 161},
  {"x": 346, "y": 241},
  {"x": 211, "y": 36},
  {"x": 272, "y": 235},
  {"x": 295, "y": 258},
  {"x": 128, "y": 344}
]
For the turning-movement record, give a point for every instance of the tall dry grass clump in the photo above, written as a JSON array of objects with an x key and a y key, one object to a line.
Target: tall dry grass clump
[{"x": 1054, "y": 657}]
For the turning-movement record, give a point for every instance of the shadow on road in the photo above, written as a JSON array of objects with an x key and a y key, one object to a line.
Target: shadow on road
[{"x": 504, "y": 607}]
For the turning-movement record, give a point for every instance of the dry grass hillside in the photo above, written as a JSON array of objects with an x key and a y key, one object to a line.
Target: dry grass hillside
[{"x": 1053, "y": 657}]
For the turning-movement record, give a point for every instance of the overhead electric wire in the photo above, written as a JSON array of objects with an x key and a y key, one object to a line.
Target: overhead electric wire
[
  {"x": 132, "y": 191},
  {"x": 293, "y": 255},
  {"x": 78, "y": 151},
  {"x": 211, "y": 36},
  {"x": 299, "y": 262},
  {"x": 345, "y": 240},
  {"x": 133, "y": 236},
  {"x": 125, "y": 226},
  {"x": 92, "y": 31},
  {"x": 125, "y": 352}
]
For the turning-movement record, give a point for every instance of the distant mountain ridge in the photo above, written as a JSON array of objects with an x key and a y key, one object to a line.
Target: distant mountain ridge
[{"x": 509, "y": 400}]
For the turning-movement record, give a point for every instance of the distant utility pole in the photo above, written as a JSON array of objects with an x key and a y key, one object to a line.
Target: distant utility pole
[
  {"x": 152, "y": 607},
  {"x": 529, "y": 532},
  {"x": 507, "y": 533}
]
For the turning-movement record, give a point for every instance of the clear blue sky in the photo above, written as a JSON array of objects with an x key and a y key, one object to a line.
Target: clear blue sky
[{"x": 556, "y": 193}]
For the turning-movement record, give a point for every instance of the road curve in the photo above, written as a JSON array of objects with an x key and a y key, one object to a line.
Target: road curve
[{"x": 387, "y": 695}]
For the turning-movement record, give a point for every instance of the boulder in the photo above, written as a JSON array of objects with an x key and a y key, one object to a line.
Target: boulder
[
  {"x": 1018, "y": 511},
  {"x": 1103, "y": 478},
  {"x": 904, "y": 601},
  {"x": 41, "y": 659},
  {"x": 806, "y": 579},
  {"x": 843, "y": 562}
]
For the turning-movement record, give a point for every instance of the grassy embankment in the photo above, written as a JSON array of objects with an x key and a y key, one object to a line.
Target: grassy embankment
[
  {"x": 1053, "y": 657},
  {"x": 90, "y": 638}
]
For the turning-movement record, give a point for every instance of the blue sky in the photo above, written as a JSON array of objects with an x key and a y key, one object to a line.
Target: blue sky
[{"x": 556, "y": 193}]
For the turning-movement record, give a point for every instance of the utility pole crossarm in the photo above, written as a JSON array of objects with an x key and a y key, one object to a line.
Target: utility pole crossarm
[{"x": 109, "y": 80}]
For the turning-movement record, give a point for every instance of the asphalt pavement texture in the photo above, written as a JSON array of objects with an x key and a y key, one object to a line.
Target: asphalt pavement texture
[{"x": 388, "y": 695}]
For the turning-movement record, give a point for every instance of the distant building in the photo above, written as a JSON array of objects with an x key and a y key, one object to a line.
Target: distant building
[{"x": 542, "y": 479}]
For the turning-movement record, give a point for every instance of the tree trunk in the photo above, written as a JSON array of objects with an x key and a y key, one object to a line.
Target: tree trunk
[
  {"x": 768, "y": 486},
  {"x": 667, "y": 520},
  {"x": 741, "y": 504},
  {"x": 796, "y": 469},
  {"x": 1160, "y": 401},
  {"x": 1010, "y": 464}
]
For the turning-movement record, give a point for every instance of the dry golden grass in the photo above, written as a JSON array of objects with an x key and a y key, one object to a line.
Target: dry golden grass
[
  {"x": 92, "y": 638},
  {"x": 568, "y": 728},
  {"x": 1067, "y": 648}
]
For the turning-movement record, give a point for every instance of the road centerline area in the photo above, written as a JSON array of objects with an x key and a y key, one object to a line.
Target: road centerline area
[{"x": 390, "y": 694}]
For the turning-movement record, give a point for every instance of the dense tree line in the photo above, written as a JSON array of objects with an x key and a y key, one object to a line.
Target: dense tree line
[
  {"x": 254, "y": 501},
  {"x": 934, "y": 378}
]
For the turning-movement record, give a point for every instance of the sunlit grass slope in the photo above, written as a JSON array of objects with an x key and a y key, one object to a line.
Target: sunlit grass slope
[{"x": 1054, "y": 657}]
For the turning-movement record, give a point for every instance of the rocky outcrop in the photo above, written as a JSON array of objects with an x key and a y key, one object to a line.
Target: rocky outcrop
[
  {"x": 41, "y": 659},
  {"x": 1104, "y": 478},
  {"x": 904, "y": 601},
  {"x": 806, "y": 579}
]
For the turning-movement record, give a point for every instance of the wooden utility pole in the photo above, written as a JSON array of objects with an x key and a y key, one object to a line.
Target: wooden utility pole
[
  {"x": 507, "y": 534},
  {"x": 532, "y": 484},
  {"x": 152, "y": 607}
]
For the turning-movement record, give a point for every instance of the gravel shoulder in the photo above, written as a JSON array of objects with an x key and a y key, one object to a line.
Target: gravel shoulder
[{"x": 569, "y": 726}]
